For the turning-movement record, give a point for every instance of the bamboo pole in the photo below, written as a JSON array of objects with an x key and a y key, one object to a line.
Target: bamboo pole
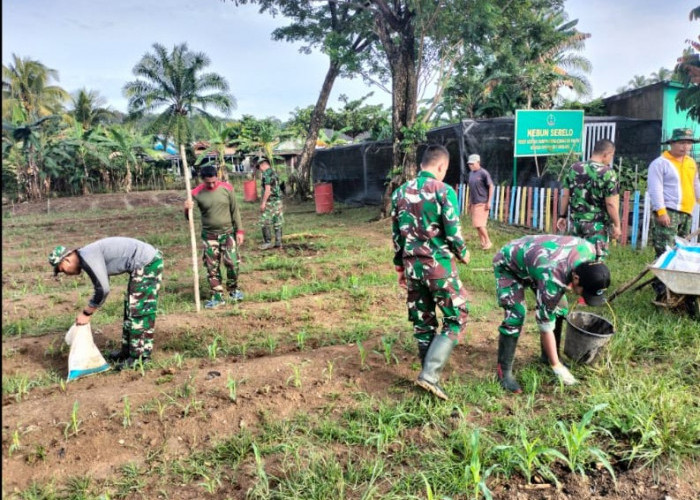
[{"x": 190, "y": 219}]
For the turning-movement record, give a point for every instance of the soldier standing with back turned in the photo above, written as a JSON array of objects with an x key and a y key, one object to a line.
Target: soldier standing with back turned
[{"x": 427, "y": 240}]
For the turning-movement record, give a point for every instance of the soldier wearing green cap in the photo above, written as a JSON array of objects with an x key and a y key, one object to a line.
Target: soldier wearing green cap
[
  {"x": 674, "y": 189},
  {"x": 271, "y": 209},
  {"x": 108, "y": 257}
]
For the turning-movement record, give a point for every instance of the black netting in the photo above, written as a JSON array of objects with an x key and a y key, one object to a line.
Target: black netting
[{"x": 359, "y": 172}]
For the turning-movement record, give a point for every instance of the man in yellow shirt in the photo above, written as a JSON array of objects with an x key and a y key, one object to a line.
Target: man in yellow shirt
[{"x": 674, "y": 189}]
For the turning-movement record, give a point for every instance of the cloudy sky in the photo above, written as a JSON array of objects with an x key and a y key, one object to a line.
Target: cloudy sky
[{"x": 94, "y": 44}]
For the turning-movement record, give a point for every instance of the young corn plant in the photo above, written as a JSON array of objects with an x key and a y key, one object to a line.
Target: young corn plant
[
  {"x": 387, "y": 347},
  {"x": 296, "y": 375},
  {"x": 232, "y": 385},
  {"x": 213, "y": 349},
  {"x": 73, "y": 426},
  {"x": 301, "y": 339},
  {"x": 328, "y": 371},
  {"x": 475, "y": 474},
  {"x": 363, "y": 355},
  {"x": 126, "y": 420},
  {"x": 15, "y": 445},
  {"x": 178, "y": 359},
  {"x": 528, "y": 456},
  {"x": 579, "y": 452},
  {"x": 263, "y": 481},
  {"x": 271, "y": 343}
]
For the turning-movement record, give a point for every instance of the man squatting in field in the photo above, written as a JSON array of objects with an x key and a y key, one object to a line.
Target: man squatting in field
[
  {"x": 222, "y": 233},
  {"x": 549, "y": 265},
  {"x": 109, "y": 257},
  {"x": 427, "y": 238},
  {"x": 592, "y": 191},
  {"x": 271, "y": 209}
]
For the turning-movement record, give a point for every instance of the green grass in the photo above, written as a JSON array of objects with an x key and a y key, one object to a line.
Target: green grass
[{"x": 637, "y": 407}]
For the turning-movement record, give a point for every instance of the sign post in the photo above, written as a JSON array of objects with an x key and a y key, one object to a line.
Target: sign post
[{"x": 547, "y": 133}]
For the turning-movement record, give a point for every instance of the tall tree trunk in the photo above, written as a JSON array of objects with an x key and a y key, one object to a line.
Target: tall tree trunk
[
  {"x": 303, "y": 187},
  {"x": 190, "y": 218},
  {"x": 401, "y": 54}
]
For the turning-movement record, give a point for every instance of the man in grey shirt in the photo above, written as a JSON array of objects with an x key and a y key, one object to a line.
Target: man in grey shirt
[
  {"x": 108, "y": 257},
  {"x": 480, "y": 196}
]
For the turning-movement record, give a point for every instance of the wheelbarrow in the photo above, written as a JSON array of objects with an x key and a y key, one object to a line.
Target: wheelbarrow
[{"x": 682, "y": 286}]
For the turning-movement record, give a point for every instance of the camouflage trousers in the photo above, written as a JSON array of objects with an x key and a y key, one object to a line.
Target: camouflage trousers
[
  {"x": 220, "y": 247},
  {"x": 449, "y": 295},
  {"x": 664, "y": 236},
  {"x": 273, "y": 215},
  {"x": 510, "y": 293},
  {"x": 593, "y": 232},
  {"x": 140, "y": 307}
]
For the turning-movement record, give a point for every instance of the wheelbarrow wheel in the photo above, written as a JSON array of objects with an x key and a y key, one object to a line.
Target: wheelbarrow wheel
[{"x": 692, "y": 305}]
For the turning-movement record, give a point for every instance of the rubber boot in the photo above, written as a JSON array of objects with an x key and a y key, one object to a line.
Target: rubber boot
[
  {"x": 278, "y": 237},
  {"x": 506, "y": 355},
  {"x": 423, "y": 346},
  {"x": 266, "y": 238},
  {"x": 119, "y": 355},
  {"x": 435, "y": 359},
  {"x": 557, "y": 338}
]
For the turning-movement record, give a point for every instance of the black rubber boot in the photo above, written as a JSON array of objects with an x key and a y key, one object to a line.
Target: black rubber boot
[
  {"x": 435, "y": 359},
  {"x": 506, "y": 355},
  {"x": 278, "y": 237},
  {"x": 557, "y": 338},
  {"x": 266, "y": 238},
  {"x": 119, "y": 355}
]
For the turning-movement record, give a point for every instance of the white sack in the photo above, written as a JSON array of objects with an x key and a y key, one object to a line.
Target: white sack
[
  {"x": 84, "y": 357},
  {"x": 684, "y": 256}
]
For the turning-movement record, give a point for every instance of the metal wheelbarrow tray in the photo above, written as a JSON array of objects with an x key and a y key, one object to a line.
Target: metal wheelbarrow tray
[{"x": 679, "y": 282}]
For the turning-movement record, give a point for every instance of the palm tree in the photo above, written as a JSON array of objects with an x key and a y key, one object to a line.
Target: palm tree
[
  {"x": 174, "y": 80},
  {"x": 89, "y": 108},
  {"x": 26, "y": 89}
]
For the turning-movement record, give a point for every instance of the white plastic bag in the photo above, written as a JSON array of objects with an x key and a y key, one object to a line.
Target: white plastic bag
[{"x": 84, "y": 357}]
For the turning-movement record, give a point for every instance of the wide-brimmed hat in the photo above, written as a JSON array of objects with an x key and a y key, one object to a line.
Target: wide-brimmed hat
[
  {"x": 681, "y": 134},
  {"x": 57, "y": 255},
  {"x": 594, "y": 277}
]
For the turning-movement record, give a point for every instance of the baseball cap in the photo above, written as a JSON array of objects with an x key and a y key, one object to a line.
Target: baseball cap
[
  {"x": 594, "y": 277},
  {"x": 207, "y": 171},
  {"x": 261, "y": 160},
  {"x": 474, "y": 159},
  {"x": 56, "y": 257}
]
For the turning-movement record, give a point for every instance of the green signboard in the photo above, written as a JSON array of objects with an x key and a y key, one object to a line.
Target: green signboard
[{"x": 546, "y": 132}]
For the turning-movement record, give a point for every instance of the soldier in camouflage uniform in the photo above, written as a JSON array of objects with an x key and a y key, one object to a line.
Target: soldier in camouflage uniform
[
  {"x": 592, "y": 191},
  {"x": 427, "y": 239},
  {"x": 271, "y": 205},
  {"x": 109, "y": 257},
  {"x": 222, "y": 234},
  {"x": 549, "y": 265},
  {"x": 674, "y": 189}
]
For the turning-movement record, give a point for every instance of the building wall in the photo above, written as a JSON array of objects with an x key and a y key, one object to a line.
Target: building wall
[
  {"x": 675, "y": 119},
  {"x": 645, "y": 104}
]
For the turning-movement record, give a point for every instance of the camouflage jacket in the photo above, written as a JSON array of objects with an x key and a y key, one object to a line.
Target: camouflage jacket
[
  {"x": 425, "y": 228},
  {"x": 545, "y": 263},
  {"x": 589, "y": 183},
  {"x": 270, "y": 178}
]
